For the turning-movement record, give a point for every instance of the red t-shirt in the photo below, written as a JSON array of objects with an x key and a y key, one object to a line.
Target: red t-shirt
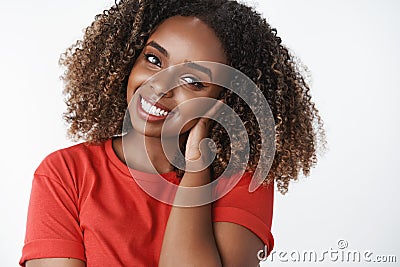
[{"x": 85, "y": 204}]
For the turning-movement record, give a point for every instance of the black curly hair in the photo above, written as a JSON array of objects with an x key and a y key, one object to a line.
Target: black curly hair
[{"x": 98, "y": 67}]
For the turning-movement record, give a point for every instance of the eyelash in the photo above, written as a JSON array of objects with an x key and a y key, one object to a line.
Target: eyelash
[
  {"x": 199, "y": 85},
  {"x": 147, "y": 56}
]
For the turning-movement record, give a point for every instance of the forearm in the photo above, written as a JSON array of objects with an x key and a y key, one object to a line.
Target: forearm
[{"x": 189, "y": 237}]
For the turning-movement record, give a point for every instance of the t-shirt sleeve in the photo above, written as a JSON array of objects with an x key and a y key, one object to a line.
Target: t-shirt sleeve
[
  {"x": 52, "y": 229},
  {"x": 252, "y": 210}
]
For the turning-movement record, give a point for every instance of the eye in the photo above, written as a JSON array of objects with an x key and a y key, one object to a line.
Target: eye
[
  {"x": 194, "y": 82},
  {"x": 152, "y": 59}
]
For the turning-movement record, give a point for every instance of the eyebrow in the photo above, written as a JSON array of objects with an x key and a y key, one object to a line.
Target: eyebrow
[
  {"x": 190, "y": 64},
  {"x": 159, "y": 48},
  {"x": 199, "y": 67}
]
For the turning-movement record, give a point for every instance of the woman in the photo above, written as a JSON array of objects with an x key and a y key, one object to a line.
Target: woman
[{"x": 85, "y": 208}]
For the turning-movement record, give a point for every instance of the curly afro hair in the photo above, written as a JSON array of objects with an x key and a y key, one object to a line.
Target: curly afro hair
[{"x": 98, "y": 67}]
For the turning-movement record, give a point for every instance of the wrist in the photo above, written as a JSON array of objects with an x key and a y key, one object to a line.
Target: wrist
[{"x": 197, "y": 178}]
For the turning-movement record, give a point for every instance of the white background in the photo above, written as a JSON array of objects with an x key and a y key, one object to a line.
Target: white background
[{"x": 351, "y": 48}]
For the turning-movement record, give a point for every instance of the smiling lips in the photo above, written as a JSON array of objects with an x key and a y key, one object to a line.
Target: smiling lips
[{"x": 153, "y": 111}]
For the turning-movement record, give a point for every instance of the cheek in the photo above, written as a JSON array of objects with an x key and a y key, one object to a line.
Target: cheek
[
  {"x": 131, "y": 86},
  {"x": 135, "y": 80},
  {"x": 188, "y": 126},
  {"x": 189, "y": 116},
  {"x": 191, "y": 108}
]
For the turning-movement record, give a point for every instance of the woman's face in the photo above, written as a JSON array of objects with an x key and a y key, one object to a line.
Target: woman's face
[{"x": 175, "y": 41}]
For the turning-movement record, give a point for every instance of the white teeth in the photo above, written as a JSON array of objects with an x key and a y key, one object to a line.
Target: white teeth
[{"x": 153, "y": 110}]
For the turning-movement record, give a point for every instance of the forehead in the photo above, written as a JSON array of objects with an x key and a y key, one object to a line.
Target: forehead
[{"x": 188, "y": 39}]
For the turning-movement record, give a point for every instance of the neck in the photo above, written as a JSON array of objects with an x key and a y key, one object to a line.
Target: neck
[{"x": 146, "y": 153}]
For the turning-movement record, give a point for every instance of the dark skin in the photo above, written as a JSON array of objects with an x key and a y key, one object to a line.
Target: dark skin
[{"x": 191, "y": 238}]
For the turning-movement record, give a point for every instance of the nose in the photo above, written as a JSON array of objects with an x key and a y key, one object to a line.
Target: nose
[{"x": 161, "y": 91}]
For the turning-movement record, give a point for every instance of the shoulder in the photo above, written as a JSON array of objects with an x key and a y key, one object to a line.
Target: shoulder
[
  {"x": 70, "y": 158},
  {"x": 239, "y": 186},
  {"x": 234, "y": 197}
]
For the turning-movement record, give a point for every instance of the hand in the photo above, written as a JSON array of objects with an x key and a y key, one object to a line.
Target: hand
[{"x": 197, "y": 133}]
